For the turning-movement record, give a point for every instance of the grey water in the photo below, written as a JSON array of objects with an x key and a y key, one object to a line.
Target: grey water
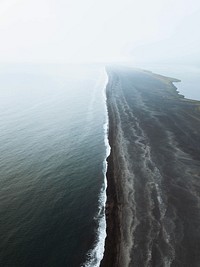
[{"x": 52, "y": 155}]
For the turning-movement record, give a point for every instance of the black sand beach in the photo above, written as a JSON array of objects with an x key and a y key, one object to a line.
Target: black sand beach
[{"x": 153, "y": 193}]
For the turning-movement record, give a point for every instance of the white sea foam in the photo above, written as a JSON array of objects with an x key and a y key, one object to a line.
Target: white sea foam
[{"x": 95, "y": 255}]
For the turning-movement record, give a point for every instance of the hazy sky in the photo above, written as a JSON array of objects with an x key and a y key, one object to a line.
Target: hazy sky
[{"x": 103, "y": 30}]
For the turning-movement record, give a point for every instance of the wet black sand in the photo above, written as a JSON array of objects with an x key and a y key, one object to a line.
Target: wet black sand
[{"x": 153, "y": 194}]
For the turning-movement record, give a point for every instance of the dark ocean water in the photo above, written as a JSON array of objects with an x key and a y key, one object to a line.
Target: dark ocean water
[{"x": 52, "y": 161}]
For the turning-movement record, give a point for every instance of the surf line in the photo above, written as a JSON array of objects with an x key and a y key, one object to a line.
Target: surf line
[{"x": 95, "y": 255}]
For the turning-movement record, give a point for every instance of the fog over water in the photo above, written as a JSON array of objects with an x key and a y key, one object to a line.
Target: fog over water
[
  {"x": 85, "y": 31},
  {"x": 143, "y": 33}
]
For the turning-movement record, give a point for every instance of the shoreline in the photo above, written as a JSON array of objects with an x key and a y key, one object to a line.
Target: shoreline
[
  {"x": 94, "y": 256},
  {"x": 111, "y": 210},
  {"x": 188, "y": 74},
  {"x": 138, "y": 223}
]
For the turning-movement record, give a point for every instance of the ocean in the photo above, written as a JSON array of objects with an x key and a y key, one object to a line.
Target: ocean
[{"x": 53, "y": 149}]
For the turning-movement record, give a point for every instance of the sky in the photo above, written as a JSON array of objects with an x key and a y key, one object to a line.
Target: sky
[{"x": 64, "y": 31}]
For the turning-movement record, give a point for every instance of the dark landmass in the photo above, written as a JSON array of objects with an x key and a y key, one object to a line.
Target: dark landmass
[{"x": 153, "y": 193}]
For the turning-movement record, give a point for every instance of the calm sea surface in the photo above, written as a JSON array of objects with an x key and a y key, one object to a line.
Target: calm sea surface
[{"x": 52, "y": 162}]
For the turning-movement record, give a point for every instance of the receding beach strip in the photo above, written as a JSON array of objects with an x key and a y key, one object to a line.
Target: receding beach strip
[{"x": 153, "y": 192}]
